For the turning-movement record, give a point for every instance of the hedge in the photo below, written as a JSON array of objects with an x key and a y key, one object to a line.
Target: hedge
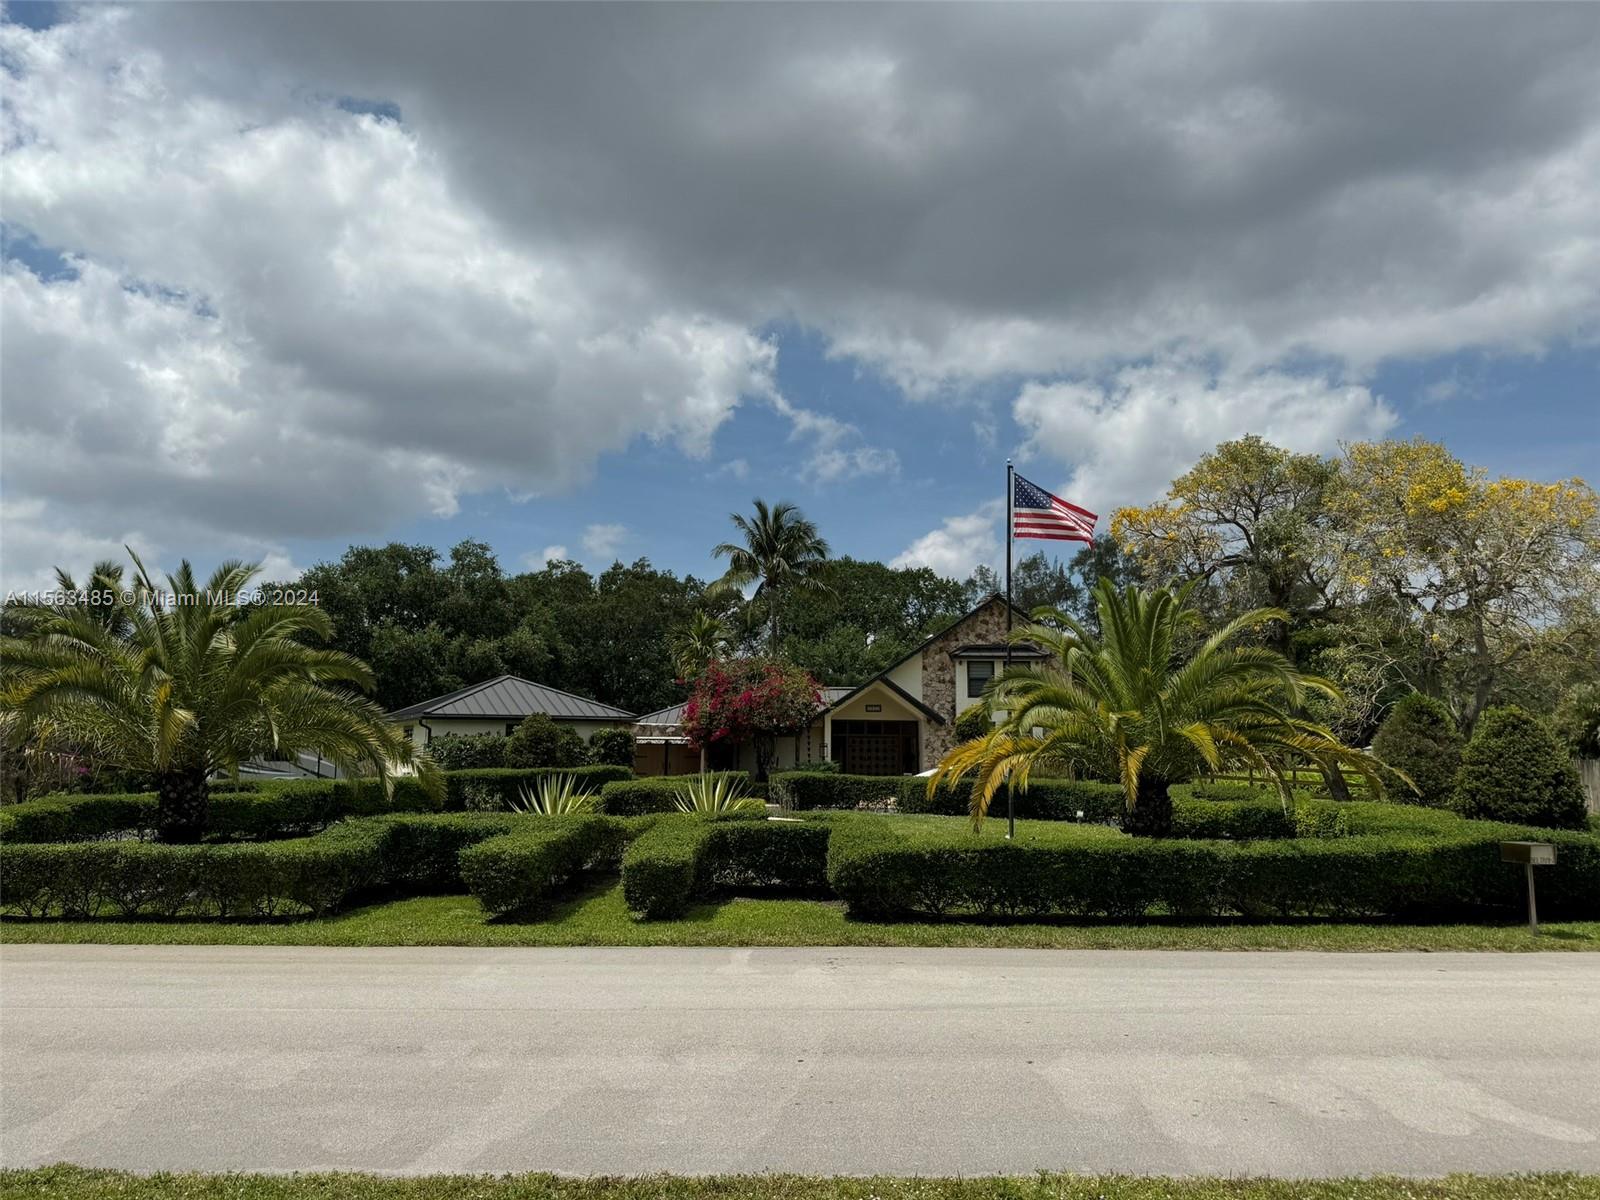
[
  {"x": 1104, "y": 873},
  {"x": 682, "y": 856},
  {"x": 658, "y": 793},
  {"x": 514, "y": 870},
  {"x": 506, "y": 783},
  {"x": 76, "y": 879},
  {"x": 803, "y": 791}
]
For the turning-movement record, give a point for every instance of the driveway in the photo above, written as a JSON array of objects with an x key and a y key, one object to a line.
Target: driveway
[{"x": 832, "y": 1061}]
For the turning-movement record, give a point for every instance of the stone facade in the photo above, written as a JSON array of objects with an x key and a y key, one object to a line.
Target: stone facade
[{"x": 986, "y": 625}]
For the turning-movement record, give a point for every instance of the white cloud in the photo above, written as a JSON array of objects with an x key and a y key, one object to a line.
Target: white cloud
[
  {"x": 960, "y": 544},
  {"x": 287, "y": 321},
  {"x": 601, "y": 542},
  {"x": 1127, "y": 439},
  {"x": 550, "y": 554}
]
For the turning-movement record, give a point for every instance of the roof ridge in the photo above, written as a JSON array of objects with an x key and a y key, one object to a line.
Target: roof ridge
[{"x": 562, "y": 692}]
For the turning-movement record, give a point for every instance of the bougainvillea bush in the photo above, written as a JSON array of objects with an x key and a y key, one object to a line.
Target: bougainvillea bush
[{"x": 756, "y": 700}]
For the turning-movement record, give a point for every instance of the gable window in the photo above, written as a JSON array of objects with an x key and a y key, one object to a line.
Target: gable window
[{"x": 978, "y": 676}]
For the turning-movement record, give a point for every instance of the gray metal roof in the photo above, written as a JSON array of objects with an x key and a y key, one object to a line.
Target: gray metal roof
[{"x": 510, "y": 698}]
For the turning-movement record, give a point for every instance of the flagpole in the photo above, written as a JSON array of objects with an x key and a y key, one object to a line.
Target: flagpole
[{"x": 1011, "y": 498}]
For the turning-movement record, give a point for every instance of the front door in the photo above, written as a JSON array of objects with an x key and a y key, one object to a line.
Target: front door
[{"x": 872, "y": 754}]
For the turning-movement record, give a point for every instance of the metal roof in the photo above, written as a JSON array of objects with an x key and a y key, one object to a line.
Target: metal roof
[
  {"x": 998, "y": 650},
  {"x": 510, "y": 698}
]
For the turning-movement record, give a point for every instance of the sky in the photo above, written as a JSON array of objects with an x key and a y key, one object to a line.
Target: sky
[{"x": 579, "y": 281}]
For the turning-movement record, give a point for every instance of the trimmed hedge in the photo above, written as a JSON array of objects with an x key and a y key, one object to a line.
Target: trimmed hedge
[
  {"x": 514, "y": 870},
  {"x": 1044, "y": 800},
  {"x": 1106, "y": 874},
  {"x": 1232, "y": 820},
  {"x": 507, "y": 782},
  {"x": 803, "y": 791},
  {"x": 1513, "y": 769},
  {"x": 76, "y": 879},
  {"x": 661, "y": 869},
  {"x": 682, "y": 856},
  {"x": 632, "y": 797},
  {"x": 77, "y": 818}
]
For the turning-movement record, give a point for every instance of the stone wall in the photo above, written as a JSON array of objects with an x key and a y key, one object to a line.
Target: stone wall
[{"x": 987, "y": 624}]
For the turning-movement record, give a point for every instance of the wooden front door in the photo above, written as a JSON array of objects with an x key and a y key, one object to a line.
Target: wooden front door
[{"x": 872, "y": 754}]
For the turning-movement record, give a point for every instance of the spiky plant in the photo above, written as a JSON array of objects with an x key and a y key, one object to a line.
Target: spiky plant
[
  {"x": 555, "y": 796},
  {"x": 1132, "y": 697},
  {"x": 716, "y": 794},
  {"x": 184, "y": 682}
]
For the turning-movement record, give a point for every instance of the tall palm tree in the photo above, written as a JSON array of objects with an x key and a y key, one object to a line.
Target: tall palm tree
[
  {"x": 1130, "y": 696},
  {"x": 782, "y": 550},
  {"x": 186, "y": 682},
  {"x": 698, "y": 644}
]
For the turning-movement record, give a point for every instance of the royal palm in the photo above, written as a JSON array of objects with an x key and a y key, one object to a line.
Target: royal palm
[
  {"x": 782, "y": 550},
  {"x": 1152, "y": 702},
  {"x": 185, "y": 683}
]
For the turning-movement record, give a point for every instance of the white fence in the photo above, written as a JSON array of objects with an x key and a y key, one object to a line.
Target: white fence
[{"x": 1589, "y": 772}]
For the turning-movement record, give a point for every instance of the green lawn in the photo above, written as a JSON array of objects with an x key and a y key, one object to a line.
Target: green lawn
[
  {"x": 72, "y": 1183},
  {"x": 595, "y": 915}
]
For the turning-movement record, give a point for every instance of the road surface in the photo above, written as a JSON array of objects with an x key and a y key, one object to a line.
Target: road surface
[{"x": 848, "y": 1061}]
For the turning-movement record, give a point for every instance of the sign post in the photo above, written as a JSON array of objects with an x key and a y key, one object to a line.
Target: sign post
[{"x": 1530, "y": 855}]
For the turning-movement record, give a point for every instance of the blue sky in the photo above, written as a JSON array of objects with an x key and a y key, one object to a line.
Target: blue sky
[{"x": 594, "y": 279}]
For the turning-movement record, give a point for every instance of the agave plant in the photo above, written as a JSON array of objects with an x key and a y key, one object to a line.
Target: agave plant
[
  {"x": 555, "y": 796},
  {"x": 716, "y": 794}
]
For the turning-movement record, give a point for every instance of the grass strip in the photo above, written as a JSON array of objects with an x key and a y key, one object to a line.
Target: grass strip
[{"x": 74, "y": 1183}]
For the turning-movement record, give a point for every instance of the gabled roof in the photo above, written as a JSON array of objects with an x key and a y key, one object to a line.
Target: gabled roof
[
  {"x": 932, "y": 714},
  {"x": 998, "y": 650},
  {"x": 510, "y": 698}
]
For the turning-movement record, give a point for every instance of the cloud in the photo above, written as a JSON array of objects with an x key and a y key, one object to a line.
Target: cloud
[
  {"x": 1133, "y": 434},
  {"x": 556, "y": 231},
  {"x": 550, "y": 554},
  {"x": 602, "y": 542},
  {"x": 284, "y": 320},
  {"x": 960, "y": 544},
  {"x": 1130, "y": 436}
]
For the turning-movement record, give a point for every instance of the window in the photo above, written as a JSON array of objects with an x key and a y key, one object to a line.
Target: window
[
  {"x": 511, "y": 727},
  {"x": 978, "y": 676}
]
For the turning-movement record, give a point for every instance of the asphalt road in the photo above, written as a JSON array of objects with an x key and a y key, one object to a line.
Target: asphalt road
[{"x": 834, "y": 1061}]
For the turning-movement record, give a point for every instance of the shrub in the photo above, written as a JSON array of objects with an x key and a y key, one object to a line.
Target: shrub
[
  {"x": 612, "y": 747},
  {"x": 556, "y": 795},
  {"x": 710, "y": 794},
  {"x": 824, "y": 766},
  {"x": 1419, "y": 738},
  {"x": 540, "y": 742},
  {"x": 1514, "y": 770},
  {"x": 422, "y": 853},
  {"x": 78, "y": 879},
  {"x": 1100, "y": 872},
  {"x": 1044, "y": 800},
  {"x": 661, "y": 869},
  {"x": 800, "y": 791},
  {"x": 468, "y": 751},
  {"x": 491, "y": 790},
  {"x": 1577, "y": 721},
  {"x": 658, "y": 794},
  {"x": 1230, "y": 820},
  {"x": 792, "y": 855},
  {"x": 974, "y": 723},
  {"x": 77, "y": 818},
  {"x": 514, "y": 870}
]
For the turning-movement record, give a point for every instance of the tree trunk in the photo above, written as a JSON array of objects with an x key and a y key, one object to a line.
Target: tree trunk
[
  {"x": 182, "y": 799},
  {"x": 1151, "y": 814},
  {"x": 1334, "y": 778}
]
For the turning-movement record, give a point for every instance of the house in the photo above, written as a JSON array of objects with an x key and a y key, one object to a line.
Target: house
[
  {"x": 499, "y": 705},
  {"x": 899, "y": 722}
]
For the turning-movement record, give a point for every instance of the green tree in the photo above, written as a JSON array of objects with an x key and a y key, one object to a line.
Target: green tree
[
  {"x": 1514, "y": 770},
  {"x": 1130, "y": 697},
  {"x": 781, "y": 553},
  {"x": 1419, "y": 738},
  {"x": 698, "y": 644},
  {"x": 197, "y": 685},
  {"x": 611, "y": 747},
  {"x": 540, "y": 742},
  {"x": 1250, "y": 519},
  {"x": 1577, "y": 721}
]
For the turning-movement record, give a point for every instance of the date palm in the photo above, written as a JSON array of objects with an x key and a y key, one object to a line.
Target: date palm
[
  {"x": 698, "y": 644},
  {"x": 782, "y": 550},
  {"x": 1131, "y": 696},
  {"x": 184, "y": 683}
]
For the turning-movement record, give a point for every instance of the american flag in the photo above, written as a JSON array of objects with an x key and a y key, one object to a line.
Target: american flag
[{"x": 1038, "y": 514}]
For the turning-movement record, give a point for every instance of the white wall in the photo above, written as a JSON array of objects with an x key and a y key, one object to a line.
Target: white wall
[
  {"x": 908, "y": 676},
  {"x": 444, "y": 726},
  {"x": 963, "y": 701}
]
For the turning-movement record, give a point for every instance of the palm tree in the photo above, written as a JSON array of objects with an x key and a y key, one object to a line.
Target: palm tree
[
  {"x": 1130, "y": 697},
  {"x": 781, "y": 550},
  {"x": 196, "y": 684},
  {"x": 699, "y": 643}
]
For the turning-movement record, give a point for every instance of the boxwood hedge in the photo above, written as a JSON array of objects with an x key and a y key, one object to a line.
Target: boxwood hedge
[
  {"x": 684, "y": 855},
  {"x": 516, "y": 869},
  {"x": 659, "y": 793}
]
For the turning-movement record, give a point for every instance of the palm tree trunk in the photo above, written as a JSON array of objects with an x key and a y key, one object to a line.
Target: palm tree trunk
[
  {"x": 1151, "y": 814},
  {"x": 182, "y": 800}
]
